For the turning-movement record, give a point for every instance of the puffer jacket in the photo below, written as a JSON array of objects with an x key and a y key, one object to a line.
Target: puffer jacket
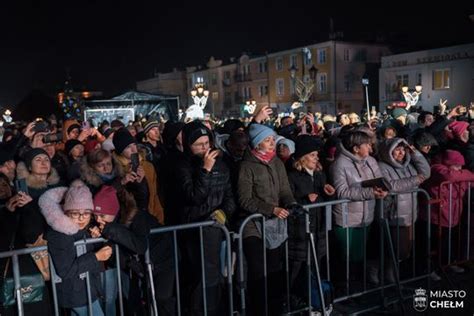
[
  {"x": 202, "y": 192},
  {"x": 346, "y": 174},
  {"x": 261, "y": 188},
  {"x": 403, "y": 178},
  {"x": 69, "y": 265},
  {"x": 442, "y": 173}
]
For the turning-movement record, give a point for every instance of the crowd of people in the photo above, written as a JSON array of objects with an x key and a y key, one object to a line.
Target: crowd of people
[{"x": 68, "y": 181}]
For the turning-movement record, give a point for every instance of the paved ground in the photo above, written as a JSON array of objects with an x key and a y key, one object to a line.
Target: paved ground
[{"x": 452, "y": 281}]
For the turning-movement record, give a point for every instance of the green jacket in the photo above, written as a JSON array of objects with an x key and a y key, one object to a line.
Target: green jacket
[{"x": 261, "y": 188}]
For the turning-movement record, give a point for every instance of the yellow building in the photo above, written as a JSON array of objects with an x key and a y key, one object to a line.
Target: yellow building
[{"x": 340, "y": 67}]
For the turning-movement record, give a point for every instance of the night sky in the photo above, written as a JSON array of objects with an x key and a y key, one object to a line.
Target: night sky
[{"x": 108, "y": 46}]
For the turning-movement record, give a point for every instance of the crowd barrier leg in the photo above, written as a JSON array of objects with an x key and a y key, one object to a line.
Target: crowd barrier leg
[
  {"x": 154, "y": 306},
  {"x": 176, "y": 266},
  {"x": 16, "y": 276},
  {"x": 203, "y": 271},
  {"x": 316, "y": 266},
  {"x": 119, "y": 278},
  {"x": 54, "y": 280}
]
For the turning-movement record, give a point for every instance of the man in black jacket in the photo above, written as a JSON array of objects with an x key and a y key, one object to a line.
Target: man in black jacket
[{"x": 204, "y": 186}]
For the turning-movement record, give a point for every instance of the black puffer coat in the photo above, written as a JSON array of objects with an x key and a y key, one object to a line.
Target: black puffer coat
[
  {"x": 302, "y": 184},
  {"x": 203, "y": 192}
]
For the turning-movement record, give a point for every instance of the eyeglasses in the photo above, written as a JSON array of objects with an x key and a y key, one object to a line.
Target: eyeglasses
[
  {"x": 196, "y": 145},
  {"x": 77, "y": 215}
]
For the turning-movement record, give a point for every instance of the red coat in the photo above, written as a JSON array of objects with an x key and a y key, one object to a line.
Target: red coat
[{"x": 439, "y": 174}]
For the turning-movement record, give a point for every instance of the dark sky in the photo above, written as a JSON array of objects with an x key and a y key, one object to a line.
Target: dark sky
[{"x": 109, "y": 45}]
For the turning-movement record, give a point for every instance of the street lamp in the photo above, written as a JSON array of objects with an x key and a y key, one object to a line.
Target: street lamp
[
  {"x": 365, "y": 83},
  {"x": 303, "y": 86},
  {"x": 411, "y": 97}
]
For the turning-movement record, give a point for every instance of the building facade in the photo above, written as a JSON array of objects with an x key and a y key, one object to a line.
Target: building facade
[
  {"x": 172, "y": 83},
  {"x": 340, "y": 67},
  {"x": 444, "y": 73},
  {"x": 266, "y": 79}
]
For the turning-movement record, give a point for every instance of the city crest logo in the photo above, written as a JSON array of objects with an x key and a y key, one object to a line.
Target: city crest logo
[{"x": 420, "y": 300}]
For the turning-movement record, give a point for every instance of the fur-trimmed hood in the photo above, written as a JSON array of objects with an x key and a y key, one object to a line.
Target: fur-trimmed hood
[
  {"x": 128, "y": 206},
  {"x": 52, "y": 211},
  {"x": 33, "y": 182}
]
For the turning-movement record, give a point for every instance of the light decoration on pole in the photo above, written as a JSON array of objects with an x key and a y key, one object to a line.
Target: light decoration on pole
[
  {"x": 7, "y": 116},
  {"x": 250, "y": 106},
  {"x": 303, "y": 86},
  {"x": 411, "y": 97},
  {"x": 199, "y": 96}
]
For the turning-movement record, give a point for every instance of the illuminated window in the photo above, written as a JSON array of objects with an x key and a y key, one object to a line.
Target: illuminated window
[{"x": 441, "y": 79}]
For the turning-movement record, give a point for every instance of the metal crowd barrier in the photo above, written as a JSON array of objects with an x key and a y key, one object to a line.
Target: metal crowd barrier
[
  {"x": 460, "y": 196},
  {"x": 55, "y": 279},
  {"x": 312, "y": 258},
  {"x": 349, "y": 294}
]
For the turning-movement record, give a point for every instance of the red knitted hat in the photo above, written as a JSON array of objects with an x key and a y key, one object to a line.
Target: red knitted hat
[
  {"x": 458, "y": 128},
  {"x": 106, "y": 202}
]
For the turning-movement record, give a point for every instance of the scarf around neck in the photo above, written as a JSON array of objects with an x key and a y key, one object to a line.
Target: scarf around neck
[{"x": 263, "y": 157}]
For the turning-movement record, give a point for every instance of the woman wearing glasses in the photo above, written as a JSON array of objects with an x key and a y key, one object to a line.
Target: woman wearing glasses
[{"x": 68, "y": 225}]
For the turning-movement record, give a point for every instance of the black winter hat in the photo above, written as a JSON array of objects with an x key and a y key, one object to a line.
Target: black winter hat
[
  {"x": 306, "y": 144},
  {"x": 122, "y": 138},
  {"x": 171, "y": 131},
  {"x": 192, "y": 131},
  {"x": 70, "y": 144},
  {"x": 232, "y": 125},
  {"x": 31, "y": 154},
  {"x": 73, "y": 126}
]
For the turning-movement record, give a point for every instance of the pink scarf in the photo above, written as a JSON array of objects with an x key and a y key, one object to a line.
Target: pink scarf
[{"x": 264, "y": 157}]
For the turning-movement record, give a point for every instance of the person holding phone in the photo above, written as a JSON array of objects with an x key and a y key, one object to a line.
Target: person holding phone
[
  {"x": 69, "y": 224},
  {"x": 204, "y": 186},
  {"x": 140, "y": 177}
]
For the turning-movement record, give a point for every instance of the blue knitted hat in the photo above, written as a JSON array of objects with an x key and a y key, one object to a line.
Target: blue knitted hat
[{"x": 258, "y": 132}]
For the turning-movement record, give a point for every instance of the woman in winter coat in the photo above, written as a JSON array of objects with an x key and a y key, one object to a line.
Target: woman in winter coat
[
  {"x": 72, "y": 263},
  {"x": 204, "y": 186},
  {"x": 352, "y": 166},
  {"x": 308, "y": 184},
  {"x": 263, "y": 188},
  {"x": 447, "y": 214},
  {"x": 405, "y": 168},
  {"x": 145, "y": 178}
]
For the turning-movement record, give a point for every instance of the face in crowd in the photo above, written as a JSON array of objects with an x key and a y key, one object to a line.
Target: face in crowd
[
  {"x": 201, "y": 146},
  {"x": 399, "y": 154},
  {"x": 41, "y": 165},
  {"x": 81, "y": 217},
  {"x": 129, "y": 150},
  {"x": 153, "y": 134},
  {"x": 283, "y": 151},
  {"x": 310, "y": 161},
  {"x": 268, "y": 145},
  {"x": 104, "y": 167}
]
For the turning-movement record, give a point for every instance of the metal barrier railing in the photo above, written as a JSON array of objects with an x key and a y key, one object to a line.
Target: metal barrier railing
[
  {"x": 326, "y": 207},
  {"x": 459, "y": 189},
  {"x": 55, "y": 279}
]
